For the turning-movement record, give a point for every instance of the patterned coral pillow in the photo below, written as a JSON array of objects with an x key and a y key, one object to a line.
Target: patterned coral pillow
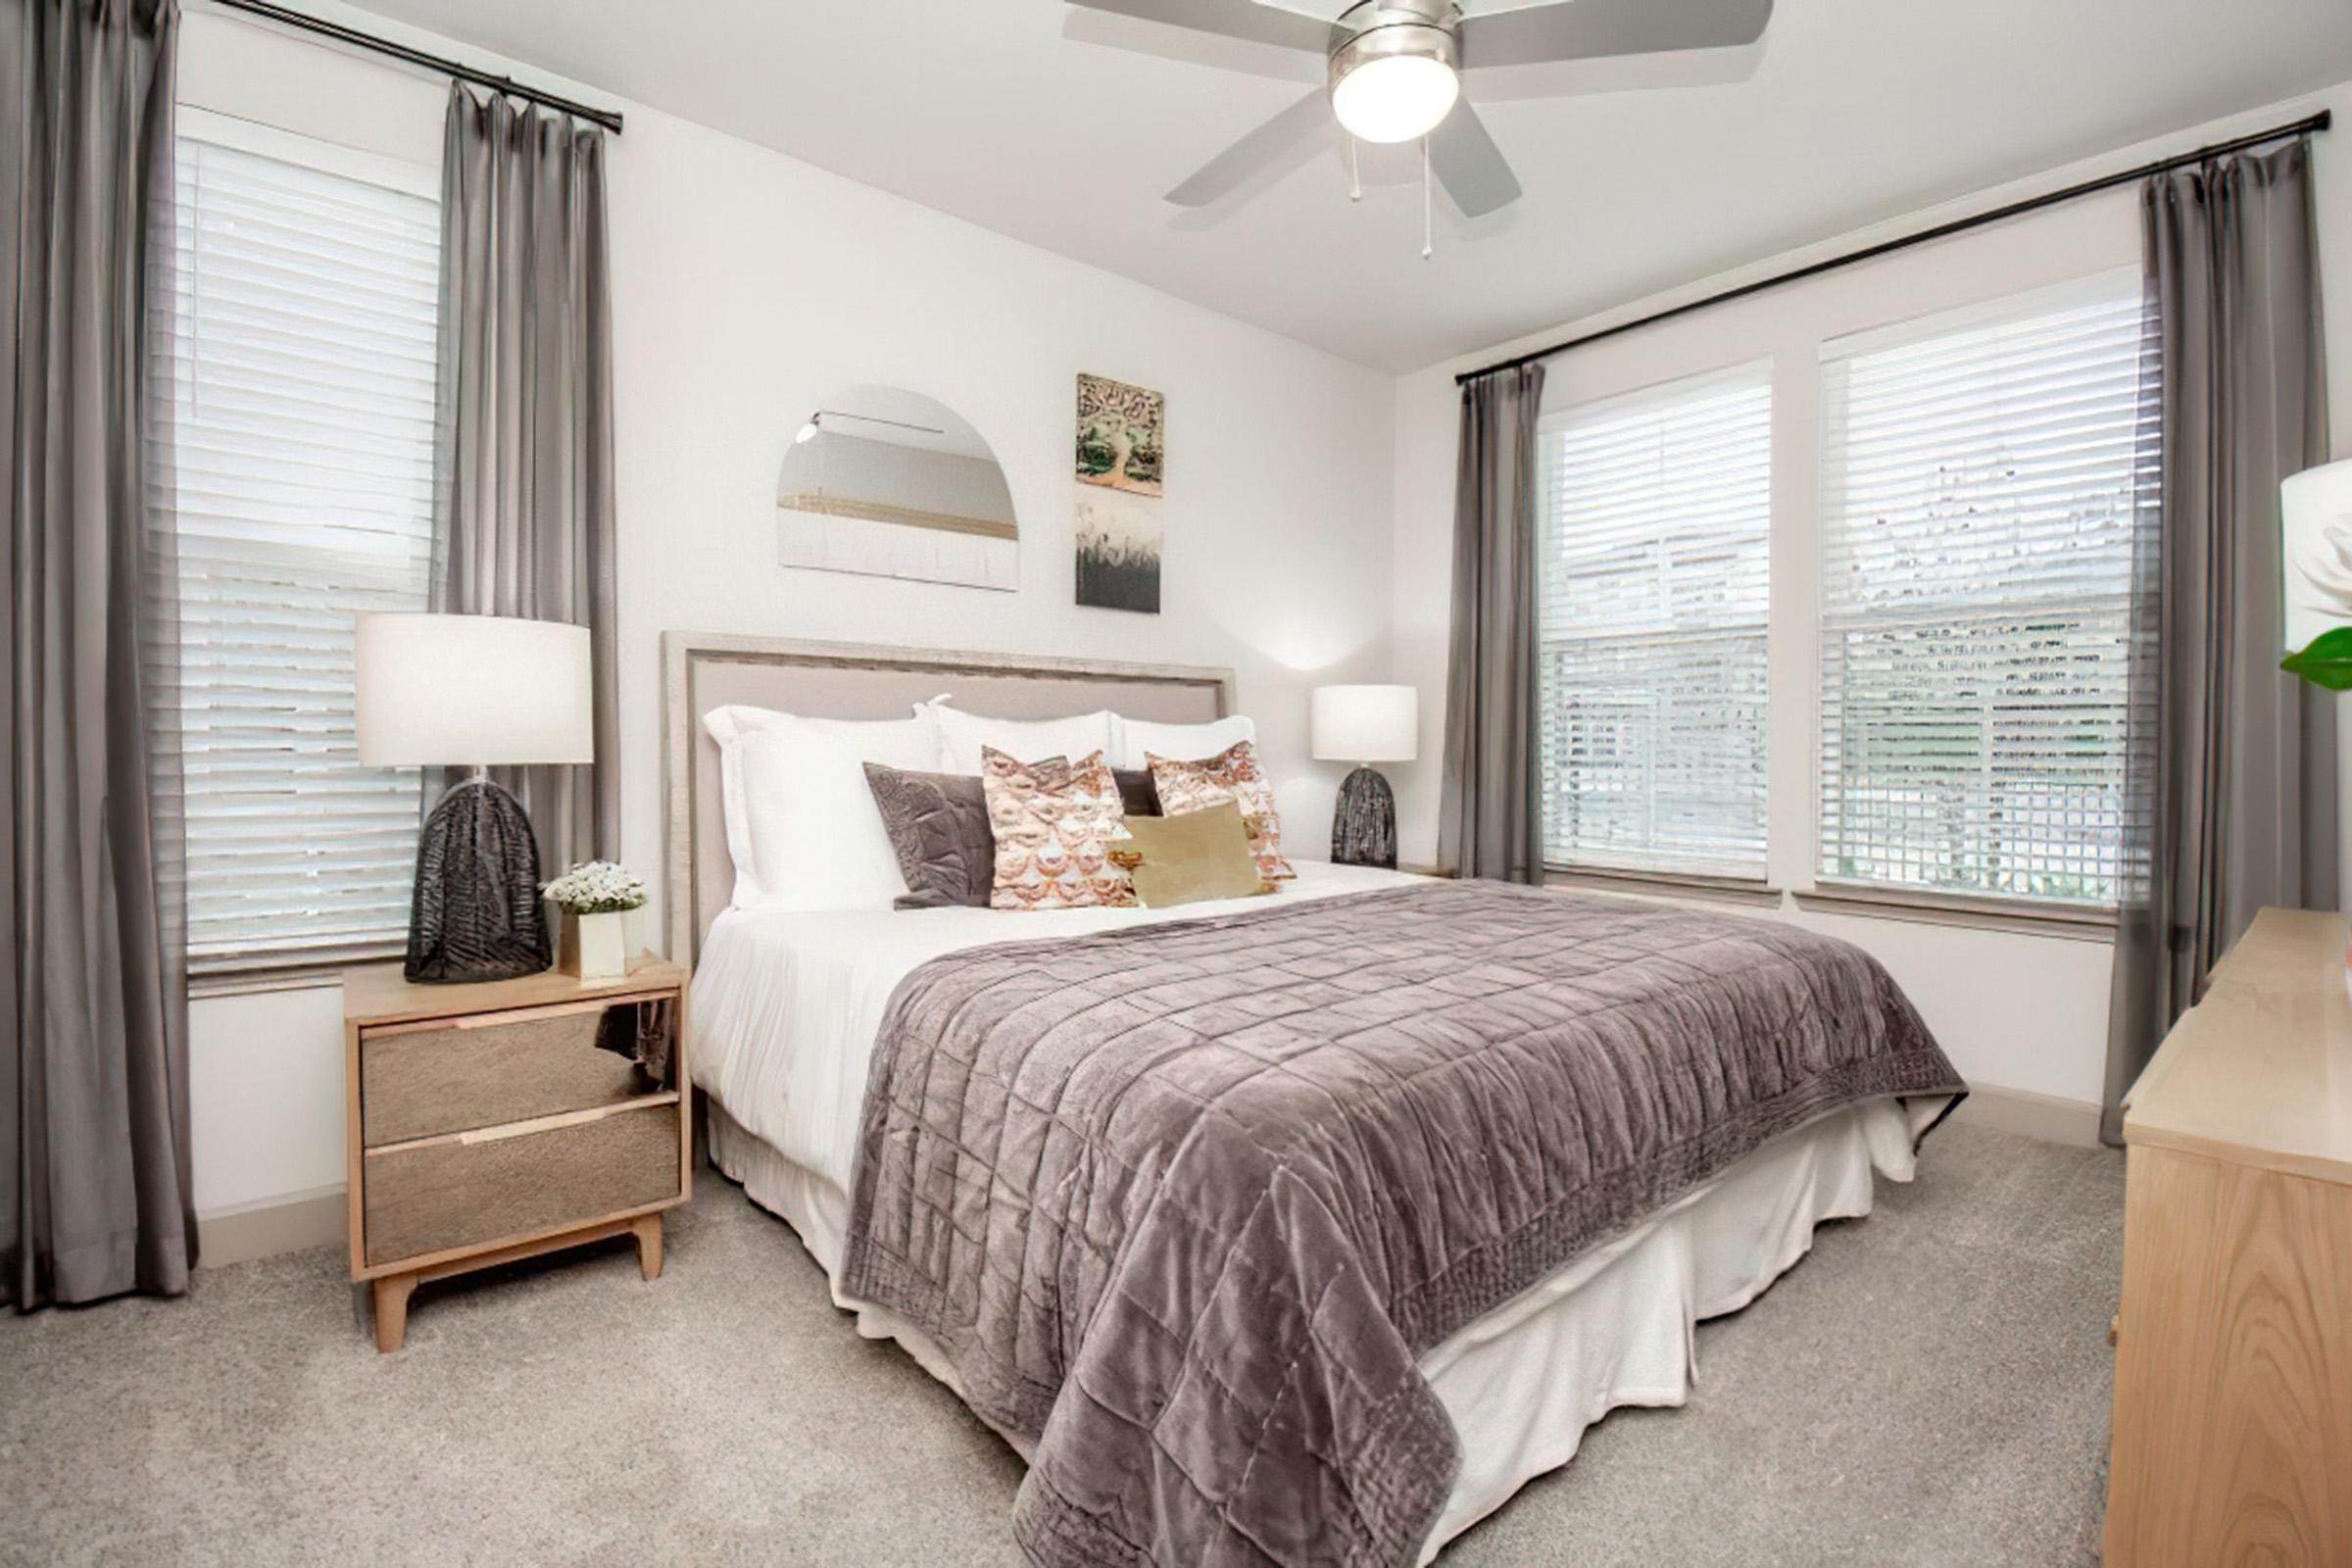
[
  {"x": 1233, "y": 774},
  {"x": 1053, "y": 822}
]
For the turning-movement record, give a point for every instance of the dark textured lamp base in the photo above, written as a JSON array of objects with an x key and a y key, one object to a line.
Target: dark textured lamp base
[
  {"x": 476, "y": 914},
  {"x": 1363, "y": 825}
]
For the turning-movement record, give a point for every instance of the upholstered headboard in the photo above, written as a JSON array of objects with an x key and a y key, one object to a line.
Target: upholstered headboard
[{"x": 703, "y": 670}]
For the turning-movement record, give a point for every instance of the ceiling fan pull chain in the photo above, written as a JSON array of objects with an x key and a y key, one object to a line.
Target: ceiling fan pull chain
[
  {"x": 1356, "y": 172},
  {"x": 1427, "y": 245}
]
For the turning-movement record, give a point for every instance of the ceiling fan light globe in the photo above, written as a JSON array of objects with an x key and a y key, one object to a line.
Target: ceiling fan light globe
[{"x": 1394, "y": 98}]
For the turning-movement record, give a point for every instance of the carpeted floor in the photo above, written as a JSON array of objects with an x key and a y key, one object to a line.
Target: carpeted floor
[{"x": 1928, "y": 1388}]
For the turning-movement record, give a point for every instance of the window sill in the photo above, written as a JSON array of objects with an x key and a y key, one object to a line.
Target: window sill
[
  {"x": 2071, "y": 922},
  {"x": 1753, "y": 892},
  {"x": 290, "y": 971}
]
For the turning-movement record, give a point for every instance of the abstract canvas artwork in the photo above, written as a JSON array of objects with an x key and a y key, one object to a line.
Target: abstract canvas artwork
[
  {"x": 1119, "y": 434},
  {"x": 1118, "y": 552},
  {"x": 1121, "y": 430}
]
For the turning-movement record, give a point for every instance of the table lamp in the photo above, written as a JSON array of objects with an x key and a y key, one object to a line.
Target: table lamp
[
  {"x": 469, "y": 691},
  {"x": 2314, "y": 514},
  {"x": 1363, "y": 725},
  {"x": 2314, "y": 520}
]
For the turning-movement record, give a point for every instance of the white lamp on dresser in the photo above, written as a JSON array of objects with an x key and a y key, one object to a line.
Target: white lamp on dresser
[{"x": 2315, "y": 514}]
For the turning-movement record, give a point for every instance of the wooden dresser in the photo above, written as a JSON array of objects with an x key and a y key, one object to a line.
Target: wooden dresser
[
  {"x": 489, "y": 1123},
  {"x": 2232, "y": 1441}
]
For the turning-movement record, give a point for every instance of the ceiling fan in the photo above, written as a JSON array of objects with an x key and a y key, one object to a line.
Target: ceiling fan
[{"x": 1395, "y": 67}]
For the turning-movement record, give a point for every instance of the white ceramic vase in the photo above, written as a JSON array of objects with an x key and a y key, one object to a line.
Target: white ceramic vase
[{"x": 595, "y": 947}]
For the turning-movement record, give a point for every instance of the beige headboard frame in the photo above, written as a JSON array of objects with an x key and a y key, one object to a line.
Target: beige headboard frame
[{"x": 703, "y": 670}]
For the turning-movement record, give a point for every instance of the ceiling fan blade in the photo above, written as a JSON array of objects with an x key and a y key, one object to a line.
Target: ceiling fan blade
[
  {"x": 1469, "y": 164},
  {"x": 1231, "y": 19},
  {"x": 1591, "y": 30},
  {"x": 1291, "y": 131}
]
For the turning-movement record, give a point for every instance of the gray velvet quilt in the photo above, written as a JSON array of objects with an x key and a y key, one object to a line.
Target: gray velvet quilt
[{"x": 1182, "y": 1204}]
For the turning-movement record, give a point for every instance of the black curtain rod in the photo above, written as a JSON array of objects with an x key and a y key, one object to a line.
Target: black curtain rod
[
  {"x": 606, "y": 118},
  {"x": 2301, "y": 127}
]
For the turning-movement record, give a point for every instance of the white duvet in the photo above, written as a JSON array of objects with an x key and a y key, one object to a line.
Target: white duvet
[{"x": 787, "y": 1003}]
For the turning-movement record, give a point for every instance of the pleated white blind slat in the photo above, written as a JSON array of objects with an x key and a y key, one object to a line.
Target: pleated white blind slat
[
  {"x": 1982, "y": 488},
  {"x": 1654, "y": 540},
  {"x": 300, "y": 363}
]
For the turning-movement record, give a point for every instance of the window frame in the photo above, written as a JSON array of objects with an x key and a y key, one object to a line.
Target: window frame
[
  {"x": 268, "y": 969},
  {"x": 1753, "y": 370},
  {"x": 1823, "y": 892},
  {"x": 1984, "y": 273}
]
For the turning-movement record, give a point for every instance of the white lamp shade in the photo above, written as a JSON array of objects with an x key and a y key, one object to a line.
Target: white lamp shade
[
  {"x": 1365, "y": 723},
  {"x": 468, "y": 691},
  {"x": 2316, "y": 513}
]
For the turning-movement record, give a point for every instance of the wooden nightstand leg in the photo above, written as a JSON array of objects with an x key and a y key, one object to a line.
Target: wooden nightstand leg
[
  {"x": 392, "y": 1294},
  {"x": 649, "y": 1245}
]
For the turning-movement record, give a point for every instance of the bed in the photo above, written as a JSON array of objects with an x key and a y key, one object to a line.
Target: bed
[{"x": 795, "y": 1018}]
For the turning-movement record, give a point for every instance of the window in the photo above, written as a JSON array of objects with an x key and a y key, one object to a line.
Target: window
[
  {"x": 1654, "y": 577},
  {"x": 1985, "y": 479},
  {"x": 299, "y": 358}
]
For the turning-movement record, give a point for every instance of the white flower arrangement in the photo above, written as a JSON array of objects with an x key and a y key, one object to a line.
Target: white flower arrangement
[{"x": 597, "y": 887}]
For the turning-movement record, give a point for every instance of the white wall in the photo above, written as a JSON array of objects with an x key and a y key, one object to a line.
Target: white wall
[
  {"x": 2016, "y": 1012},
  {"x": 1310, "y": 511},
  {"x": 748, "y": 289}
]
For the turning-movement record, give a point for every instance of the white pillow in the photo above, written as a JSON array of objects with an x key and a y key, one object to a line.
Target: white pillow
[
  {"x": 1139, "y": 738},
  {"x": 1027, "y": 740},
  {"x": 802, "y": 824},
  {"x": 725, "y": 723}
]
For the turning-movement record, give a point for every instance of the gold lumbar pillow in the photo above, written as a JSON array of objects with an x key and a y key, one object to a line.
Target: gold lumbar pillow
[{"x": 1191, "y": 859}]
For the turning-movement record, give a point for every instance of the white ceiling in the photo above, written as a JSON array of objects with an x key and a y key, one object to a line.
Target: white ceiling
[{"x": 1015, "y": 115}]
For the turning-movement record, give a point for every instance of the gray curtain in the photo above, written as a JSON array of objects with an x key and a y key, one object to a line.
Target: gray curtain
[
  {"x": 523, "y": 515},
  {"x": 2232, "y": 795},
  {"x": 94, "y": 1186},
  {"x": 1491, "y": 822}
]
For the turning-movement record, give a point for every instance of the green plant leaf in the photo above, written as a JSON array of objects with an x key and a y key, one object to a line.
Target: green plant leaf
[{"x": 2326, "y": 662}]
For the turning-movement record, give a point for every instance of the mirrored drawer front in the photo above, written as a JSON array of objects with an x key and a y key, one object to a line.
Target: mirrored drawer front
[
  {"x": 502, "y": 1184},
  {"x": 418, "y": 1080}
]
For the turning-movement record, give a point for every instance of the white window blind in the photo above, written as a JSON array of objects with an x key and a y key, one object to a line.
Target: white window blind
[
  {"x": 300, "y": 362},
  {"x": 1985, "y": 480},
  {"x": 1655, "y": 575}
]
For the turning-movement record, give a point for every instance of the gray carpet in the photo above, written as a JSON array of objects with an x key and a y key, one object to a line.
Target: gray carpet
[{"x": 1929, "y": 1386}]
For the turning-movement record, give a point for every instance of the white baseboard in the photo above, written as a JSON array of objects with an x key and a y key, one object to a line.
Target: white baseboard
[
  {"x": 2051, "y": 1118},
  {"x": 274, "y": 1225}
]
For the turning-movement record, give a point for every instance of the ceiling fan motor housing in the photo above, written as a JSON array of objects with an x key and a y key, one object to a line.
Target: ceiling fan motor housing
[{"x": 1377, "y": 29}]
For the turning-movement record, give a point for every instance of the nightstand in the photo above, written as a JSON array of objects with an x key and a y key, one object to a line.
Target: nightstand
[{"x": 493, "y": 1122}]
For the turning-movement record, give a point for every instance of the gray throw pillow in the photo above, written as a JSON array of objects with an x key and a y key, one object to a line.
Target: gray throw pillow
[
  {"x": 1137, "y": 795},
  {"x": 937, "y": 824}
]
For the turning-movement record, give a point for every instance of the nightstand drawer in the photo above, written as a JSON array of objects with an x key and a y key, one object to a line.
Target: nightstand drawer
[
  {"x": 504, "y": 1184},
  {"x": 422, "y": 1080}
]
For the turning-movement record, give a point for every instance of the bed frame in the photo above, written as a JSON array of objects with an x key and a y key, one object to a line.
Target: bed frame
[{"x": 703, "y": 670}]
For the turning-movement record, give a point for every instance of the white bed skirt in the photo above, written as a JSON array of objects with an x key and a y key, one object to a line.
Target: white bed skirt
[{"x": 1612, "y": 1327}]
